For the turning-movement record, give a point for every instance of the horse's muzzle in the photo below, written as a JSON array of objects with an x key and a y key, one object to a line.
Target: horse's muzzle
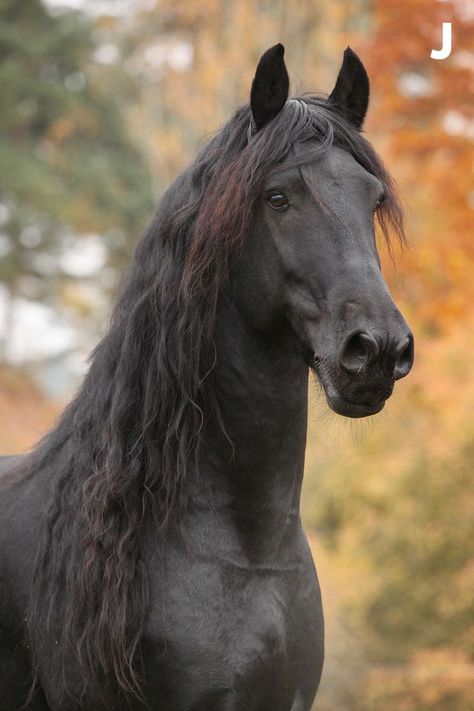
[{"x": 358, "y": 382}]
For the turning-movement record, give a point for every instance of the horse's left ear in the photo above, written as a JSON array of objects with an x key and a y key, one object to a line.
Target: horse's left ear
[
  {"x": 351, "y": 93},
  {"x": 270, "y": 87}
]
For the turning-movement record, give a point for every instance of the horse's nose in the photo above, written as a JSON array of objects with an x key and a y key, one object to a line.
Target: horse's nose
[
  {"x": 359, "y": 351},
  {"x": 362, "y": 349},
  {"x": 404, "y": 353}
]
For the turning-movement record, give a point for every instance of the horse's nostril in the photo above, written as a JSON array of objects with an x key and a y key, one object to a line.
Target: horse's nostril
[
  {"x": 360, "y": 350},
  {"x": 404, "y": 361}
]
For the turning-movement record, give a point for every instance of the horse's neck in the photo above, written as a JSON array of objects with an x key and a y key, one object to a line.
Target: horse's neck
[{"x": 262, "y": 394}]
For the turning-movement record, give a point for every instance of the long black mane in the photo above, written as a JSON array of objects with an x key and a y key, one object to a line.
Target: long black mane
[{"x": 122, "y": 452}]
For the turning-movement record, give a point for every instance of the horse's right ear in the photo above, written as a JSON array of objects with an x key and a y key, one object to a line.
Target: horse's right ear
[
  {"x": 351, "y": 93},
  {"x": 270, "y": 87}
]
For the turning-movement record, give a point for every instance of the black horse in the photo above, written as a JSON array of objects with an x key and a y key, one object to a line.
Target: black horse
[{"x": 151, "y": 548}]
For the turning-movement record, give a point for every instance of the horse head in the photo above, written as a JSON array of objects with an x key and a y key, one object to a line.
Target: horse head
[{"x": 310, "y": 267}]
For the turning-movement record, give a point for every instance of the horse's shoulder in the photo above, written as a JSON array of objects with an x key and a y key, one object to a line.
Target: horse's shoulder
[{"x": 21, "y": 512}]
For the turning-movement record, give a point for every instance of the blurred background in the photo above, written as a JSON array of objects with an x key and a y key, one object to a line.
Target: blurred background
[{"x": 103, "y": 103}]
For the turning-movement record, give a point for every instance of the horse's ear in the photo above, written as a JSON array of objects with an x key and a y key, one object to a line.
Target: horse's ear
[
  {"x": 351, "y": 93},
  {"x": 269, "y": 87}
]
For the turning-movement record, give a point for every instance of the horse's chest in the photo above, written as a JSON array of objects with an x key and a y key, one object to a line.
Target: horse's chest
[{"x": 232, "y": 638}]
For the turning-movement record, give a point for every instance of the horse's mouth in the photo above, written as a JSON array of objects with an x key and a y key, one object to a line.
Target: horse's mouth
[{"x": 344, "y": 405}]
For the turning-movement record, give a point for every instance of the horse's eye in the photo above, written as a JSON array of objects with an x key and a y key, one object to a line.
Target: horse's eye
[
  {"x": 278, "y": 201},
  {"x": 380, "y": 201}
]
